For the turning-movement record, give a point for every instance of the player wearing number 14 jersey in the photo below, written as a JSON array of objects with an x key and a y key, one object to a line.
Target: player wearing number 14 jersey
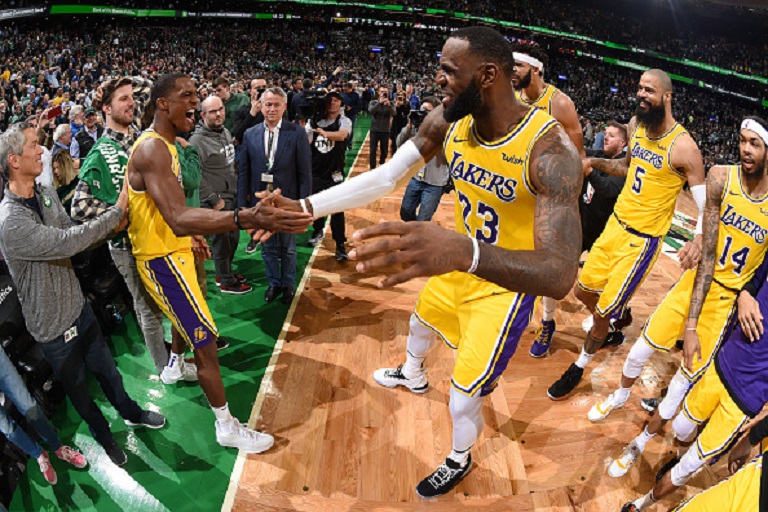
[{"x": 661, "y": 157}]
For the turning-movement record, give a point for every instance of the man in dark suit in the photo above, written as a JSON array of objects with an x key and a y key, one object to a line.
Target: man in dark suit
[{"x": 275, "y": 155}]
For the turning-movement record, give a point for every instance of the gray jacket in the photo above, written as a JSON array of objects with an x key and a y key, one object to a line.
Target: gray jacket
[
  {"x": 382, "y": 116},
  {"x": 217, "y": 162},
  {"x": 37, "y": 252},
  {"x": 436, "y": 171}
]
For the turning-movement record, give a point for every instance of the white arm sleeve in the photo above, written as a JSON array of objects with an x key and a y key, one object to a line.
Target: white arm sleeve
[
  {"x": 366, "y": 188},
  {"x": 699, "y": 193}
]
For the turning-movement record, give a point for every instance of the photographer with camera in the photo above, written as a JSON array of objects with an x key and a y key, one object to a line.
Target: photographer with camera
[
  {"x": 352, "y": 106},
  {"x": 328, "y": 130},
  {"x": 400, "y": 119},
  {"x": 382, "y": 111},
  {"x": 249, "y": 115},
  {"x": 426, "y": 188}
]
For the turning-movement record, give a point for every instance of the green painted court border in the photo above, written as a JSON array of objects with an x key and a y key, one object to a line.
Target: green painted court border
[{"x": 179, "y": 467}]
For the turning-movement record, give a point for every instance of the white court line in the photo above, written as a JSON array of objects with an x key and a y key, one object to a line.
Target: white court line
[{"x": 266, "y": 381}]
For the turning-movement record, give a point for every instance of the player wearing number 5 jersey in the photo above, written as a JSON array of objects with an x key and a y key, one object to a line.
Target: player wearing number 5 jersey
[{"x": 661, "y": 157}]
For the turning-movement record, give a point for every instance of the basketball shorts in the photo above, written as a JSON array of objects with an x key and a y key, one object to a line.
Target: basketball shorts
[
  {"x": 739, "y": 493},
  {"x": 709, "y": 400},
  {"x": 482, "y": 321},
  {"x": 666, "y": 324},
  {"x": 172, "y": 283},
  {"x": 617, "y": 265}
]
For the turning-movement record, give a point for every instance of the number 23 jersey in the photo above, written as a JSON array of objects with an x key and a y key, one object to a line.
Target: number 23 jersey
[{"x": 496, "y": 201}]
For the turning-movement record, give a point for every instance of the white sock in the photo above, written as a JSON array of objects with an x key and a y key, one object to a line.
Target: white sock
[
  {"x": 548, "y": 308},
  {"x": 459, "y": 457},
  {"x": 173, "y": 360},
  {"x": 222, "y": 413},
  {"x": 622, "y": 394},
  {"x": 643, "y": 439},
  {"x": 414, "y": 365},
  {"x": 644, "y": 501},
  {"x": 420, "y": 339},
  {"x": 467, "y": 418},
  {"x": 584, "y": 359}
]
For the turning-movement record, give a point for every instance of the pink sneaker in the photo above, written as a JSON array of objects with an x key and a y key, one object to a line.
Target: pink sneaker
[
  {"x": 75, "y": 458},
  {"x": 45, "y": 467}
]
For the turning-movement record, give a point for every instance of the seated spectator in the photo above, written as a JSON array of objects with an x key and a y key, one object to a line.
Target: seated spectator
[
  {"x": 15, "y": 391},
  {"x": 65, "y": 178},
  {"x": 62, "y": 139}
]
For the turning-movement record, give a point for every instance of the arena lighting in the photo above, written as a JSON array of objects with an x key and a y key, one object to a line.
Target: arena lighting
[
  {"x": 375, "y": 49},
  {"x": 321, "y": 47},
  {"x": 439, "y": 54},
  {"x": 562, "y": 77},
  {"x": 614, "y": 89},
  {"x": 91, "y": 9}
]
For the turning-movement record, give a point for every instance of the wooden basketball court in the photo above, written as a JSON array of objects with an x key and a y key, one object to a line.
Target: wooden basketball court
[{"x": 343, "y": 443}]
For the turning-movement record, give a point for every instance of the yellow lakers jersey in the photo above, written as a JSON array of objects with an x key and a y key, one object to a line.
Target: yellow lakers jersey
[
  {"x": 150, "y": 235},
  {"x": 496, "y": 200},
  {"x": 647, "y": 201},
  {"x": 741, "y": 239},
  {"x": 544, "y": 101}
]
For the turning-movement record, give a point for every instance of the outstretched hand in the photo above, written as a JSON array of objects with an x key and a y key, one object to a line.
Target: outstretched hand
[
  {"x": 420, "y": 249},
  {"x": 269, "y": 217}
]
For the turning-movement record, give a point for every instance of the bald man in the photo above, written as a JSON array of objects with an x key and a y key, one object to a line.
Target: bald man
[
  {"x": 661, "y": 157},
  {"x": 218, "y": 189}
]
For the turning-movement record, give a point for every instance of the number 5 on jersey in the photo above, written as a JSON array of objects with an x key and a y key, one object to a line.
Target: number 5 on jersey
[
  {"x": 637, "y": 185},
  {"x": 489, "y": 231}
]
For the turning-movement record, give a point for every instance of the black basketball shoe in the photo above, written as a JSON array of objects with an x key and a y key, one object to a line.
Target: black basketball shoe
[{"x": 443, "y": 479}]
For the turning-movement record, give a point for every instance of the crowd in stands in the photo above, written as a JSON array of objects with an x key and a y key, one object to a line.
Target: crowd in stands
[
  {"x": 677, "y": 30},
  {"x": 44, "y": 69}
]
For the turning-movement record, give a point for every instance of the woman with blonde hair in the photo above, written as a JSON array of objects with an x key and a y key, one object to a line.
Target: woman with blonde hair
[{"x": 64, "y": 177}]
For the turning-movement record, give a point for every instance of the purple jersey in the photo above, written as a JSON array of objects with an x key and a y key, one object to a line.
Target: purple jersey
[{"x": 743, "y": 365}]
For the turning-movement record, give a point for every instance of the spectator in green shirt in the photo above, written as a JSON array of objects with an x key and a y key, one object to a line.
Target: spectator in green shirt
[{"x": 232, "y": 101}]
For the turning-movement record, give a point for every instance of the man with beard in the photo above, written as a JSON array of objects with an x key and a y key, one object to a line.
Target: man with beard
[
  {"x": 531, "y": 89},
  {"x": 517, "y": 235},
  {"x": 734, "y": 389},
  {"x": 101, "y": 179},
  {"x": 662, "y": 156},
  {"x": 160, "y": 228}
]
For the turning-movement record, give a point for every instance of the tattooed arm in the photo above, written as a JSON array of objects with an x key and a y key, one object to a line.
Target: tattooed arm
[
  {"x": 550, "y": 269},
  {"x": 705, "y": 272},
  {"x": 613, "y": 166},
  {"x": 426, "y": 249}
]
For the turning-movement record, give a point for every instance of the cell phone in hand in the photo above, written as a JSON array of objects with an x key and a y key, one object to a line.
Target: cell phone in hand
[{"x": 55, "y": 112}]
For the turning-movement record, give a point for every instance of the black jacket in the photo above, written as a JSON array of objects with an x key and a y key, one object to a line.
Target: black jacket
[{"x": 598, "y": 197}]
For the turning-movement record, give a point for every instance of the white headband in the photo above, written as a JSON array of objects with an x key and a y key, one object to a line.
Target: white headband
[
  {"x": 754, "y": 126},
  {"x": 533, "y": 61}
]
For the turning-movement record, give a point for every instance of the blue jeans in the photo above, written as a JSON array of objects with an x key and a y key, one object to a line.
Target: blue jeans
[
  {"x": 279, "y": 254},
  {"x": 420, "y": 193},
  {"x": 87, "y": 349},
  {"x": 15, "y": 390}
]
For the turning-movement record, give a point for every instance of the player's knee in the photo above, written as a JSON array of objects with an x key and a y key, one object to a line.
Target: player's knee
[
  {"x": 678, "y": 387},
  {"x": 419, "y": 329},
  {"x": 636, "y": 359},
  {"x": 688, "y": 465},
  {"x": 683, "y": 427},
  {"x": 464, "y": 406}
]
